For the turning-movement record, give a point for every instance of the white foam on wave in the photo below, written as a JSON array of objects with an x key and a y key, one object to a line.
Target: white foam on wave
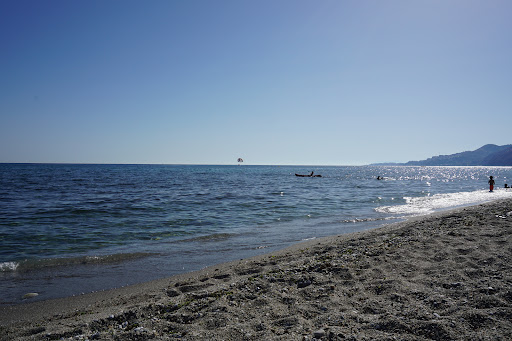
[
  {"x": 35, "y": 264},
  {"x": 429, "y": 204},
  {"x": 8, "y": 266}
]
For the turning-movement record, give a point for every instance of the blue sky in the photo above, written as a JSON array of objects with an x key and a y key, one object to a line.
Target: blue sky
[{"x": 271, "y": 81}]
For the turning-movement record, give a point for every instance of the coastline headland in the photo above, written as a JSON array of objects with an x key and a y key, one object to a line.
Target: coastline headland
[{"x": 443, "y": 276}]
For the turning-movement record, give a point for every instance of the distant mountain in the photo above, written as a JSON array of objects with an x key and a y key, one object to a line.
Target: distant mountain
[
  {"x": 500, "y": 158},
  {"x": 488, "y": 155}
]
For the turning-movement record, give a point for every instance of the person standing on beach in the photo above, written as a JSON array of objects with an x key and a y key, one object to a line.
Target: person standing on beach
[{"x": 491, "y": 183}]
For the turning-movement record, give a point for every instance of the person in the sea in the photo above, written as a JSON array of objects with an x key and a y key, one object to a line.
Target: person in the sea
[
  {"x": 491, "y": 184},
  {"x": 312, "y": 172},
  {"x": 506, "y": 186}
]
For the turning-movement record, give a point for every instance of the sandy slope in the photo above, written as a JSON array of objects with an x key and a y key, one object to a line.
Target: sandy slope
[{"x": 446, "y": 276}]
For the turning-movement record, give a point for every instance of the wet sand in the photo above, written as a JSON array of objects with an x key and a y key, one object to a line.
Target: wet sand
[{"x": 445, "y": 276}]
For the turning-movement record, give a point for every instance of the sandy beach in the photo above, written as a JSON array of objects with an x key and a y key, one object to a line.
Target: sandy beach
[{"x": 445, "y": 276}]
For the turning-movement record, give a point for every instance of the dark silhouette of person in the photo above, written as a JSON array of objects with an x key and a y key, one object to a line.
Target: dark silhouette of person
[{"x": 491, "y": 184}]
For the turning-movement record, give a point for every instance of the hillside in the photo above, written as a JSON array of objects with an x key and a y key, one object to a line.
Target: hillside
[{"x": 488, "y": 155}]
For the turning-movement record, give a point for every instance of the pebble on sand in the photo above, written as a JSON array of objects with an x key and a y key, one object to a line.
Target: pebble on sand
[
  {"x": 319, "y": 334},
  {"x": 30, "y": 295}
]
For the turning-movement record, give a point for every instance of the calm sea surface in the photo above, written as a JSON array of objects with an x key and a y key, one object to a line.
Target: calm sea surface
[{"x": 72, "y": 229}]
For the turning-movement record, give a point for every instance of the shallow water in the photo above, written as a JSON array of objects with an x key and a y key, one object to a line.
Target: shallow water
[{"x": 69, "y": 229}]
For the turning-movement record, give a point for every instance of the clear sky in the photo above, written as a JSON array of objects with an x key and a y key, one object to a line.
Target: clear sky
[{"x": 329, "y": 82}]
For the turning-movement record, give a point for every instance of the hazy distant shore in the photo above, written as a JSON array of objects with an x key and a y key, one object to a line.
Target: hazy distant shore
[{"x": 445, "y": 276}]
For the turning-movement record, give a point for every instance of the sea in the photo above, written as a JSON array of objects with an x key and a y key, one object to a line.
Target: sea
[{"x": 70, "y": 229}]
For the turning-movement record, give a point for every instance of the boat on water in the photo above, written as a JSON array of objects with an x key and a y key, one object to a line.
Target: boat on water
[{"x": 312, "y": 175}]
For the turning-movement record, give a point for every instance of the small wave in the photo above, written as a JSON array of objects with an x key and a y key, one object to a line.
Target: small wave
[
  {"x": 306, "y": 239},
  {"x": 34, "y": 264},
  {"x": 210, "y": 237},
  {"x": 365, "y": 220},
  {"x": 429, "y": 204}
]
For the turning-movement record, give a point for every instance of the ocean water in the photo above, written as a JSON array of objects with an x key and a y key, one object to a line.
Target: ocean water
[{"x": 68, "y": 229}]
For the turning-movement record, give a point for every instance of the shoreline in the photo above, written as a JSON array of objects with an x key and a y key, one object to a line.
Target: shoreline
[{"x": 443, "y": 276}]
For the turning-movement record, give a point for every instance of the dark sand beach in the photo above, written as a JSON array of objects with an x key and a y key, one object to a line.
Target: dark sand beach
[{"x": 445, "y": 276}]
